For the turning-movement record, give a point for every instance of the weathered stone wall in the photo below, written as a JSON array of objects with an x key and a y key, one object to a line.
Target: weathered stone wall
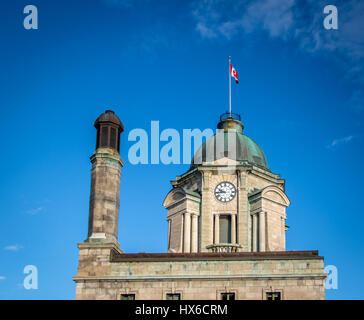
[
  {"x": 248, "y": 278},
  {"x": 259, "y": 179},
  {"x": 105, "y": 194},
  {"x": 292, "y": 289},
  {"x": 206, "y": 223}
]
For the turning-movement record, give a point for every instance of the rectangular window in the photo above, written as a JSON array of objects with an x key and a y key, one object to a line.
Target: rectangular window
[
  {"x": 228, "y": 296},
  {"x": 225, "y": 229},
  {"x": 128, "y": 297},
  {"x": 273, "y": 296},
  {"x": 173, "y": 296},
  {"x": 104, "y": 136},
  {"x": 113, "y": 138}
]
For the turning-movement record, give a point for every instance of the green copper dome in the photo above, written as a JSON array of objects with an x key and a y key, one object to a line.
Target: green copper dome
[{"x": 242, "y": 149}]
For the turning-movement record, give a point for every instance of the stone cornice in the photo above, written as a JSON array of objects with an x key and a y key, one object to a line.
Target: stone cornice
[
  {"x": 107, "y": 154},
  {"x": 184, "y": 177},
  {"x": 282, "y": 276},
  {"x": 111, "y": 245},
  {"x": 215, "y": 256}
]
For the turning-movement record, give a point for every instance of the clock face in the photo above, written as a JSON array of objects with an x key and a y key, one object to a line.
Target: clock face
[{"x": 225, "y": 191}]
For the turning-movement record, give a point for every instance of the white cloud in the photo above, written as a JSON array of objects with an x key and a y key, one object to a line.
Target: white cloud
[
  {"x": 227, "y": 18},
  {"x": 336, "y": 142},
  {"x": 14, "y": 247},
  {"x": 205, "y": 31},
  {"x": 300, "y": 22},
  {"x": 274, "y": 16},
  {"x": 35, "y": 211},
  {"x": 2, "y": 278},
  {"x": 288, "y": 19}
]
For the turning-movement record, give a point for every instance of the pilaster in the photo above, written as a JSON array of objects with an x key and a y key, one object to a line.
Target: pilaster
[
  {"x": 242, "y": 211},
  {"x": 206, "y": 225}
]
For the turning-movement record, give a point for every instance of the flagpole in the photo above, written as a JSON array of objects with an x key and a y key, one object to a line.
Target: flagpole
[{"x": 230, "y": 86}]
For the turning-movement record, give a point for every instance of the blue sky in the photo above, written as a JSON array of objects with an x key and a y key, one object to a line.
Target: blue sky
[{"x": 300, "y": 97}]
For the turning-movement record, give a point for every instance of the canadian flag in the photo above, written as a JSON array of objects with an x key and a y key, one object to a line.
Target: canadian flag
[{"x": 233, "y": 73}]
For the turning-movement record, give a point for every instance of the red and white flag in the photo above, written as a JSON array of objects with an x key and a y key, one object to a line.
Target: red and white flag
[{"x": 233, "y": 73}]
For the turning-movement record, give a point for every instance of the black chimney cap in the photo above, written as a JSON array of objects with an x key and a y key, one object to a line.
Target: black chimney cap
[{"x": 109, "y": 116}]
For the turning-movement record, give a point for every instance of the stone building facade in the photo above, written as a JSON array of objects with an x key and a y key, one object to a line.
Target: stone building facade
[{"x": 226, "y": 229}]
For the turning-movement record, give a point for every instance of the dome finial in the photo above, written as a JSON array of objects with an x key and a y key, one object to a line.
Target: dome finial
[{"x": 230, "y": 121}]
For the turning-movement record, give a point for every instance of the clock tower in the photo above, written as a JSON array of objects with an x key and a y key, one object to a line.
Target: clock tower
[{"x": 229, "y": 200}]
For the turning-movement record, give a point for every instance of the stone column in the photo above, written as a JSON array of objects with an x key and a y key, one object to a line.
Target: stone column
[
  {"x": 262, "y": 231},
  {"x": 194, "y": 236},
  {"x": 255, "y": 232},
  {"x": 283, "y": 237},
  {"x": 169, "y": 233},
  {"x": 181, "y": 233},
  {"x": 217, "y": 229},
  {"x": 233, "y": 229},
  {"x": 187, "y": 233},
  {"x": 104, "y": 196}
]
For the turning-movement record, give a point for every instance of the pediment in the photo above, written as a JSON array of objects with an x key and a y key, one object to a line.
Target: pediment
[
  {"x": 275, "y": 194},
  {"x": 179, "y": 194}
]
